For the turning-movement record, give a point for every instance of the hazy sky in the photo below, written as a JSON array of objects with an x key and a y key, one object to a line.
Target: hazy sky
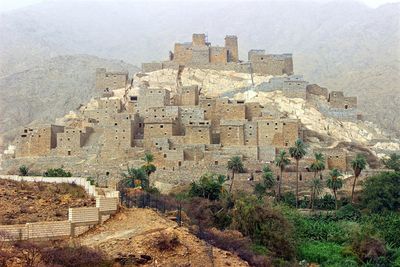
[{"x": 6, "y": 5}]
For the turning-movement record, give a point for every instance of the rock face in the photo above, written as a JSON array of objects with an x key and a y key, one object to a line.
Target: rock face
[{"x": 50, "y": 90}]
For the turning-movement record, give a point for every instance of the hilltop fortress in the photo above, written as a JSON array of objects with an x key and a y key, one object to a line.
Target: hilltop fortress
[
  {"x": 199, "y": 53},
  {"x": 188, "y": 132}
]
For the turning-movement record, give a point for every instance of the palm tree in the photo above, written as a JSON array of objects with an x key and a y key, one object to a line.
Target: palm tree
[
  {"x": 235, "y": 165},
  {"x": 268, "y": 182},
  {"x": 318, "y": 165},
  {"x": 334, "y": 182},
  {"x": 316, "y": 189},
  {"x": 132, "y": 175},
  {"x": 298, "y": 151},
  {"x": 149, "y": 167},
  {"x": 282, "y": 160},
  {"x": 358, "y": 164}
]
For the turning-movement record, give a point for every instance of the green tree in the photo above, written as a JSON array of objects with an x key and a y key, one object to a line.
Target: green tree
[
  {"x": 267, "y": 183},
  {"x": 318, "y": 164},
  {"x": 316, "y": 186},
  {"x": 358, "y": 164},
  {"x": 298, "y": 151},
  {"x": 210, "y": 186},
  {"x": 148, "y": 167},
  {"x": 23, "y": 170},
  {"x": 235, "y": 165},
  {"x": 134, "y": 176},
  {"x": 334, "y": 182},
  {"x": 393, "y": 162},
  {"x": 382, "y": 192},
  {"x": 281, "y": 160},
  {"x": 265, "y": 225}
]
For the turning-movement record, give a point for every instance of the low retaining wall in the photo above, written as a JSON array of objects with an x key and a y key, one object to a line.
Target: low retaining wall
[{"x": 79, "y": 219}]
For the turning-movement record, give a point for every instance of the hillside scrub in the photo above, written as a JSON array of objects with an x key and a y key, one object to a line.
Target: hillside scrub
[{"x": 279, "y": 234}]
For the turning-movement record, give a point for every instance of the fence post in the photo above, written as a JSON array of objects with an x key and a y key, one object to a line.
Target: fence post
[{"x": 179, "y": 217}]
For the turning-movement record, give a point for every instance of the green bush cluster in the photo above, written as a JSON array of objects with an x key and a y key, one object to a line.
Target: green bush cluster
[{"x": 57, "y": 172}]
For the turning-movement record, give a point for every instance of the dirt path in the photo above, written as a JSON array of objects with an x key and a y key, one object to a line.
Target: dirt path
[{"x": 138, "y": 232}]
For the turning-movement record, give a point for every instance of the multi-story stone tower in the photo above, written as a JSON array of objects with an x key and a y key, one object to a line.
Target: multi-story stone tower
[
  {"x": 198, "y": 39},
  {"x": 231, "y": 44}
]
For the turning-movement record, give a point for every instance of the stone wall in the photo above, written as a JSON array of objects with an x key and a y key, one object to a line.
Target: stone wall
[
  {"x": 108, "y": 81},
  {"x": 295, "y": 89},
  {"x": 218, "y": 55},
  {"x": 232, "y": 133},
  {"x": 200, "y": 54},
  {"x": 152, "y": 97},
  {"x": 272, "y": 64},
  {"x": 335, "y": 158},
  {"x": 189, "y": 96}
]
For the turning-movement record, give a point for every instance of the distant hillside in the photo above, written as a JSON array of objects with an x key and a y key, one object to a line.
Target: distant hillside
[
  {"x": 50, "y": 89},
  {"x": 341, "y": 45}
]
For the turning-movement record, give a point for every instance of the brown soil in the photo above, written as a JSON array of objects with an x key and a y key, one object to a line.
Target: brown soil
[
  {"x": 23, "y": 202},
  {"x": 146, "y": 237}
]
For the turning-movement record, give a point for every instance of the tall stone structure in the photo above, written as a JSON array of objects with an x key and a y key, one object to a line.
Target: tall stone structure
[
  {"x": 231, "y": 44},
  {"x": 199, "y": 53}
]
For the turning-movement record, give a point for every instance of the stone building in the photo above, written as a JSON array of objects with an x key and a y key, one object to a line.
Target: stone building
[
  {"x": 188, "y": 133},
  {"x": 333, "y": 104},
  {"x": 182, "y": 129},
  {"x": 271, "y": 64},
  {"x": 107, "y": 81},
  {"x": 199, "y": 53},
  {"x": 37, "y": 141}
]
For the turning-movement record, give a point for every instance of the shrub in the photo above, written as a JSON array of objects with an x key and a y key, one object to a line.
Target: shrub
[
  {"x": 289, "y": 198},
  {"x": 207, "y": 214},
  {"x": 382, "y": 192},
  {"x": 319, "y": 228},
  {"x": 165, "y": 242},
  {"x": 91, "y": 180},
  {"x": 264, "y": 225},
  {"x": 325, "y": 253},
  {"x": 348, "y": 212},
  {"x": 327, "y": 202},
  {"x": 235, "y": 242},
  {"x": 30, "y": 253},
  {"x": 74, "y": 256},
  {"x": 58, "y": 172},
  {"x": 387, "y": 226},
  {"x": 322, "y": 230},
  {"x": 23, "y": 170},
  {"x": 368, "y": 248},
  {"x": 210, "y": 186}
]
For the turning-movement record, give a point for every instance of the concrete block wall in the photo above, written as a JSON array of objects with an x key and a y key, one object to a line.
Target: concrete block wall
[
  {"x": 84, "y": 215},
  {"x": 107, "y": 205},
  {"x": 13, "y": 232},
  {"x": 48, "y": 230}
]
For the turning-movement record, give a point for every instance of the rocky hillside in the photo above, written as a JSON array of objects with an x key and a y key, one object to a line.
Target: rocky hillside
[
  {"x": 340, "y": 45},
  {"x": 24, "y": 202},
  {"x": 50, "y": 89},
  {"x": 135, "y": 234}
]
